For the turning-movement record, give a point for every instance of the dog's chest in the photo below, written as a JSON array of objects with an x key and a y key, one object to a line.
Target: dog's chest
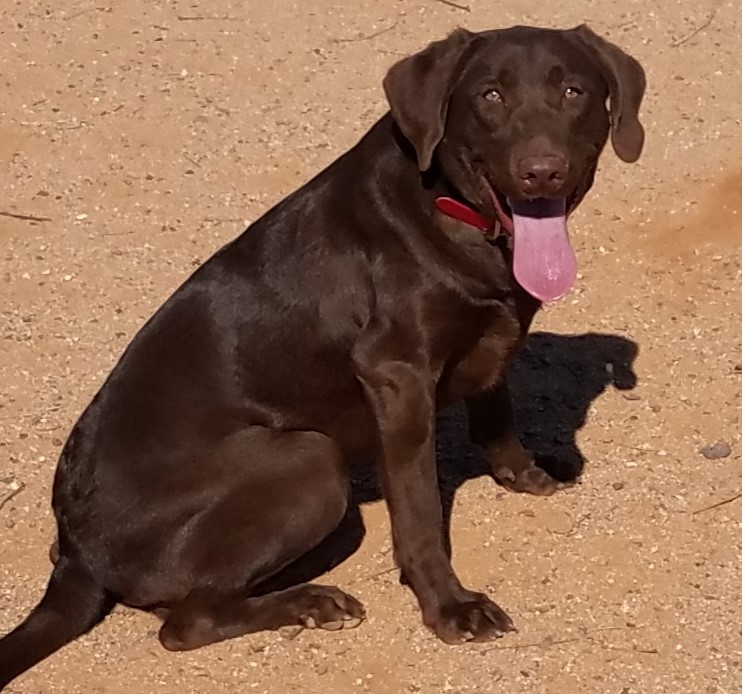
[{"x": 482, "y": 363}]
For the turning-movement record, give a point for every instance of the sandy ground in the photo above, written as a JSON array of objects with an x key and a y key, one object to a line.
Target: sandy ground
[{"x": 141, "y": 136}]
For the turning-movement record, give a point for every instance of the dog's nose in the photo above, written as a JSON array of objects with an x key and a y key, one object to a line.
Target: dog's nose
[{"x": 542, "y": 174}]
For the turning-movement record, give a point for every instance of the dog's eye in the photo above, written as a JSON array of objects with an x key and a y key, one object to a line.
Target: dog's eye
[
  {"x": 573, "y": 92},
  {"x": 493, "y": 95}
]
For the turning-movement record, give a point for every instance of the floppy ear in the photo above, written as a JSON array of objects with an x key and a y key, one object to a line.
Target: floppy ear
[
  {"x": 626, "y": 83},
  {"x": 418, "y": 88}
]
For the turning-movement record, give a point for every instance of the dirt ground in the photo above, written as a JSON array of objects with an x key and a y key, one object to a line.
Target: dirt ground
[{"x": 136, "y": 138}]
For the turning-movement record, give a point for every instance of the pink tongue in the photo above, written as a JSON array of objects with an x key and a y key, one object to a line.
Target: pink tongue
[{"x": 543, "y": 261}]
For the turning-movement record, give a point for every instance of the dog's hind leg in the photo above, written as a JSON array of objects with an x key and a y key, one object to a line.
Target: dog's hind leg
[
  {"x": 293, "y": 493},
  {"x": 206, "y": 617}
]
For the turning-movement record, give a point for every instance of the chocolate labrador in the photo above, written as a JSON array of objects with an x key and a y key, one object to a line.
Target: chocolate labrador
[{"x": 399, "y": 280}]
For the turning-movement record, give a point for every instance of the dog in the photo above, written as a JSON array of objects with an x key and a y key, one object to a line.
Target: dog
[{"x": 401, "y": 279}]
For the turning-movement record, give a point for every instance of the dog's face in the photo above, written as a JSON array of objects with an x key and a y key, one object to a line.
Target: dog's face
[
  {"x": 516, "y": 120},
  {"x": 527, "y": 116}
]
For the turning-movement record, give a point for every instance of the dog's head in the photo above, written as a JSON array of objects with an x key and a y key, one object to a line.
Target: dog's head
[{"x": 516, "y": 120}]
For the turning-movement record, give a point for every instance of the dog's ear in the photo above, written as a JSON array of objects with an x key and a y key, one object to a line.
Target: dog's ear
[
  {"x": 418, "y": 89},
  {"x": 626, "y": 84}
]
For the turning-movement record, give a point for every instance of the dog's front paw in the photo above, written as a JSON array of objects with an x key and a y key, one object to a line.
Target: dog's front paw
[
  {"x": 530, "y": 479},
  {"x": 472, "y": 617}
]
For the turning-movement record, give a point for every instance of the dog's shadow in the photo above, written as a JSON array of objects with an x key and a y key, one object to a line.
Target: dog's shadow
[{"x": 553, "y": 382}]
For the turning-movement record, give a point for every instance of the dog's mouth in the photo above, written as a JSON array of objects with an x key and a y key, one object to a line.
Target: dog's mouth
[{"x": 544, "y": 263}]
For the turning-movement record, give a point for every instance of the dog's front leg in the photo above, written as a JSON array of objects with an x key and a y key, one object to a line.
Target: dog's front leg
[
  {"x": 492, "y": 426},
  {"x": 402, "y": 397}
]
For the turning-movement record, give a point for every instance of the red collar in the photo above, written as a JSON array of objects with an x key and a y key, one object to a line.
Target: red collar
[{"x": 464, "y": 213}]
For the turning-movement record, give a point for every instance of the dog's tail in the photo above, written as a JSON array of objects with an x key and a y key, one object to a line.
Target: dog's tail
[{"x": 73, "y": 604}]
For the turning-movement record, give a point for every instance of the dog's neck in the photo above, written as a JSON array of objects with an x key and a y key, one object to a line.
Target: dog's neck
[{"x": 491, "y": 228}]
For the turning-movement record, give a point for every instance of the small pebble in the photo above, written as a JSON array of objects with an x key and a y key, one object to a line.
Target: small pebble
[
  {"x": 290, "y": 632},
  {"x": 716, "y": 451},
  {"x": 618, "y": 485}
]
